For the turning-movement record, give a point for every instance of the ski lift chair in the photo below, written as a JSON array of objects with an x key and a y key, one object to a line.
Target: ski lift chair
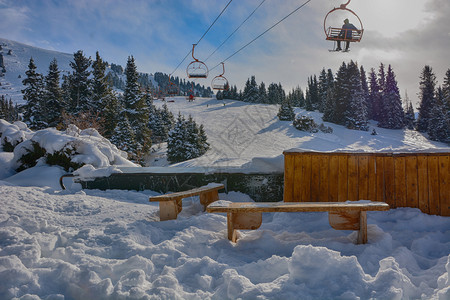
[
  {"x": 339, "y": 34},
  {"x": 197, "y": 68}
]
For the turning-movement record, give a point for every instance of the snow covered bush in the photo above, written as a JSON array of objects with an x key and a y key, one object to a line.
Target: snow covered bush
[
  {"x": 305, "y": 123},
  {"x": 13, "y": 134},
  {"x": 286, "y": 111},
  {"x": 69, "y": 149},
  {"x": 325, "y": 129}
]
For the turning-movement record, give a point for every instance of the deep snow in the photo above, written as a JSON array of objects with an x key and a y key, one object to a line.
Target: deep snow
[{"x": 90, "y": 244}]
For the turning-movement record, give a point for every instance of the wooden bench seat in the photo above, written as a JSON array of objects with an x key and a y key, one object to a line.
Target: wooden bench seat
[
  {"x": 170, "y": 205},
  {"x": 341, "y": 215}
]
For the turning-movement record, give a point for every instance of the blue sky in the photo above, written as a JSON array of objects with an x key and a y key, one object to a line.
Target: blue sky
[{"x": 407, "y": 34}]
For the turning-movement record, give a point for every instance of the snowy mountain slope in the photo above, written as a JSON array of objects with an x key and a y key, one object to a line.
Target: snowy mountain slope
[
  {"x": 16, "y": 64},
  {"x": 238, "y": 132}
]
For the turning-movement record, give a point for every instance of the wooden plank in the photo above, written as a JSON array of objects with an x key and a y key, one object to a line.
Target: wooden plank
[
  {"x": 324, "y": 178},
  {"x": 422, "y": 178},
  {"x": 208, "y": 197},
  {"x": 412, "y": 190},
  {"x": 363, "y": 177},
  {"x": 247, "y": 220},
  {"x": 289, "y": 173},
  {"x": 372, "y": 192},
  {"x": 334, "y": 178},
  {"x": 343, "y": 178},
  {"x": 353, "y": 178},
  {"x": 315, "y": 178},
  {"x": 296, "y": 206},
  {"x": 379, "y": 175},
  {"x": 444, "y": 185},
  {"x": 433, "y": 184},
  {"x": 389, "y": 181},
  {"x": 298, "y": 179},
  {"x": 400, "y": 181},
  {"x": 348, "y": 220},
  {"x": 306, "y": 178},
  {"x": 189, "y": 193}
]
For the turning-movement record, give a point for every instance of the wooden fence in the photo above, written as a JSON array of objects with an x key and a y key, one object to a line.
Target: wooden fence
[{"x": 419, "y": 180}]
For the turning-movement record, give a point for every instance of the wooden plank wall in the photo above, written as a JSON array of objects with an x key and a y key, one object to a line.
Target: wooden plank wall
[{"x": 419, "y": 180}]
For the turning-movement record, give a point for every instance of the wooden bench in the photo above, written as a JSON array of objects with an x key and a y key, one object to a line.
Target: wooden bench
[
  {"x": 170, "y": 204},
  {"x": 341, "y": 215}
]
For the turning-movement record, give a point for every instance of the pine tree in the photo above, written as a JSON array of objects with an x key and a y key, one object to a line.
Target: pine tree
[
  {"x": 426, "y": 96},
  {"x": 438, "y": 122},
  {"x": 65, "y": 90},
  {"x": 262, "y": 93},
  {"x": 136, "y": 108},
  {"x": 286, "y": 111},
  {"x": 160, "y": 132},
  {"x": 296, "y": 97},
  {"x": 381, "y": 82},
  {"x": 80, "y": 93},
  {"x": 104, "y": 99},
  {"x": 329, "y": 106},
  {"x": 100, "y": 88},
  {"x": 374, "y": 102},
  {"x": 410, "y": 118},
  {"x": 356, "y": 113},
  {"x": 3, "y": 107},
  {"x": 186, "y": 140},
  {"x": 365, "y": 89},
  {"x": 110, "y": 114},
  {"x": 250, "y": 93},
  {"x": 124, "y": 135},
  {"x": 446, "y": 94},
  {"x": 323, "y": 89},
  {"x": 167, "y": 117},
  {"x": 53, "y": 97},
  {"x": 176, "y": 150},
  {"x": 392, "y": 111},
  {"x": 273, "y": 96},
  {"x": 341, "y": 95},
  {"x": 34, "y": 95}
]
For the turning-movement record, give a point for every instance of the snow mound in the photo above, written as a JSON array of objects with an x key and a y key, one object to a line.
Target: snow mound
[
  {"x": 82, "y": 146},
  {"x": 13, "y": 133}
]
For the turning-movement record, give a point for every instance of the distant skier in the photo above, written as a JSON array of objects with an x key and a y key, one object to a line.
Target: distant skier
[{"x": 346, "y": 33}]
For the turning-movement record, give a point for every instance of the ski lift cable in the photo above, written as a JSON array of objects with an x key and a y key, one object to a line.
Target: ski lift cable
[
  {"x": 203, "y": 35},
  {"x": 214, "y": 21},
  {"x": 235, "y": 30},
  {"x": 243, "y": 47}
]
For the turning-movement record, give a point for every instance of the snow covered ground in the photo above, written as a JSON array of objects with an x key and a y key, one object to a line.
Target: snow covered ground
[{"x": 91, "y": 244}]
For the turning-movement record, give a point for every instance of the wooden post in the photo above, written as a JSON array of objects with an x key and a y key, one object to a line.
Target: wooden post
[
  {"x": 244, "y": 220},
  {"x": 208, "y": 198},
  {"x": 362, "y": 233},
  {"x": 168, "y": 210}
]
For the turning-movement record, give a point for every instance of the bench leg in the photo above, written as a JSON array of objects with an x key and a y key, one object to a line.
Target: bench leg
[
  {"x": 350, "y": 220},
  {"x": 362, "y": 233},
  {"x": 168, "y": 210},
  {"x": 208, "y": 198},
  {"x": 245, "y": 221}
]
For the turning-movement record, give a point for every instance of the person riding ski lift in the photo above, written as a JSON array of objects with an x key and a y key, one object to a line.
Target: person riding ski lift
[{"x": 346, "y": 34}]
